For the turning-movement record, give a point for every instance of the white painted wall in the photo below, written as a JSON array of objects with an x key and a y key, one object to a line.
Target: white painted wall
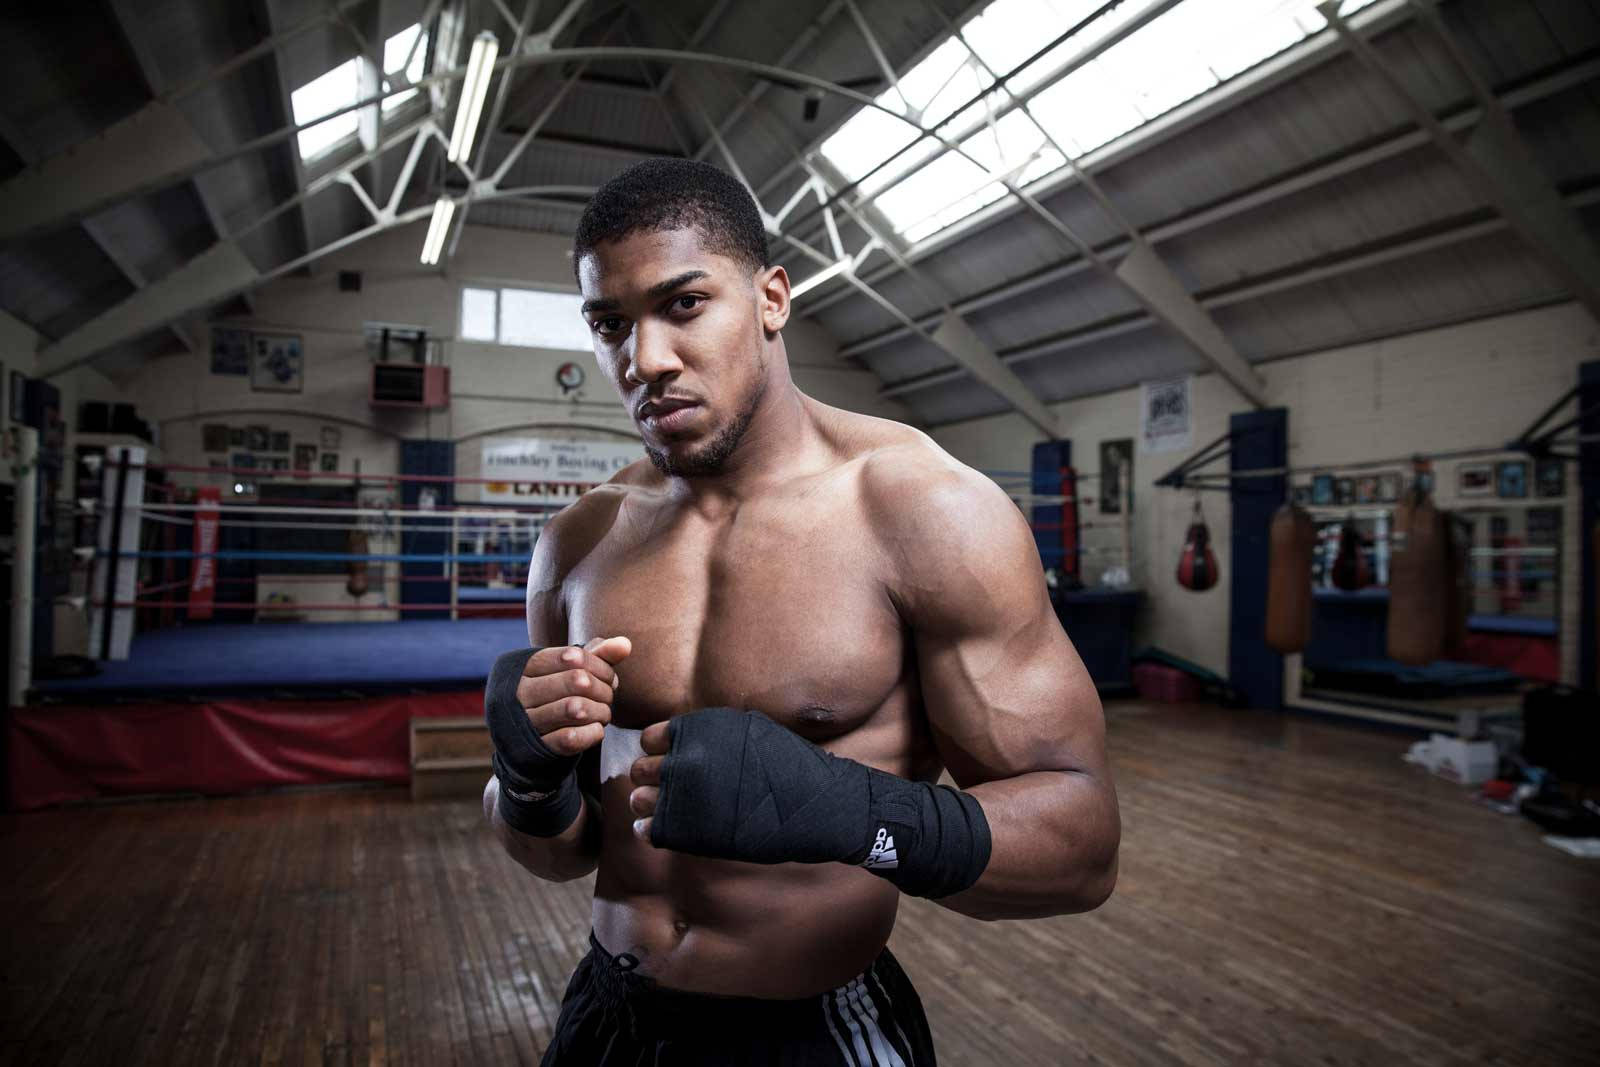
[
  {"x": 496, "y": 391},
  {"x": 1461, "y": 386},
  {"x": 494, "y": 388}
]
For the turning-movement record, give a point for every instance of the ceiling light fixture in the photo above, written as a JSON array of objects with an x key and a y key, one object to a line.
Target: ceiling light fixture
[
  {"x": 433, "y": 244},
  {"x": 818, "y": 278},
  {"x": 480, "y": 65}
]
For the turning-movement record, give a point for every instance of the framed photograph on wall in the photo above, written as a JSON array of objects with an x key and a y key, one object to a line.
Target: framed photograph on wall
[
  {"x": 330, "y": 437},
  {"x": 280, "y": 441},
  {"x": 1367, "y": 489},
  {"x": 258, "y": 438},
  {"x": 243, "y": 461},
  {"x": 1389, "y": 483},
  {"x": 230, "y": 350},
  {"x": 276, "y": 363},
  {"x": 1475, "y": 479},
  {"x": 214, "y": 437},
  {"x": 1344, "y": 491},
  {"x": 1550, "y": 477},
  {"x": 235, "y": 436},
  {"x": 1300, "y": 495},
  {"x": 329, "y": 461},
  {"x": 280, "y": 463},
  {"x": 1322, "y": 490},
  {"x": 1116, "y": 459},
  {"x": 1511, "y": 478},
  {"x": 305, "y": 457}
]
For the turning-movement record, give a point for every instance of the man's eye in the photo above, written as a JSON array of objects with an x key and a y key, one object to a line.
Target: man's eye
[
  {"x": 611, "y": 325},
  {"x": 687, "y": 302}
]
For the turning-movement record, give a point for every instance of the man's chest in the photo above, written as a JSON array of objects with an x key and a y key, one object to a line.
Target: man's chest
[{"x": 782, "y": 610}]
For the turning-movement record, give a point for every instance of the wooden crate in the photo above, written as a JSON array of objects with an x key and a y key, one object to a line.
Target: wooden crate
[{"x": 449, "y": 757}]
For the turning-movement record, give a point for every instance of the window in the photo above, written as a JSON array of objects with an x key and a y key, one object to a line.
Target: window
[
  {"x": 341, "y": 87},
  {"x": 531, "y": 318},
  {"x": 1190, "y": 50}
]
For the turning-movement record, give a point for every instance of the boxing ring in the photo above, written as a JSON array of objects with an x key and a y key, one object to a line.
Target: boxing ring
[{"x": 288, "y": 629}]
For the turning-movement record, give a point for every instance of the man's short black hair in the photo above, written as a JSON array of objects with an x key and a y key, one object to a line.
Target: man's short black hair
[{"x": 671, "y": 194}]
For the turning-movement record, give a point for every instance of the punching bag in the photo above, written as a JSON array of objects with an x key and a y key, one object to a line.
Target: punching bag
[
  {"x": 1418, "y": 581},
  {"x": 1350, "y": 569},
  {"x": 1458, "y": 584},
  {"x": 356, "y": 583},
  {"x": 1290, "y": 541},
  {"x": 1197, "y": 567}
]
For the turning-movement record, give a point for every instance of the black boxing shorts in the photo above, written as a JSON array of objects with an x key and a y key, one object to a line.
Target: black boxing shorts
[{"x": 612, "y": 1015}]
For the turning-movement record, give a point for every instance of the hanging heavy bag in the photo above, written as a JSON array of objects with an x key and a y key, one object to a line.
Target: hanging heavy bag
[
  {"x": 1458, "y": 584},
  {"x": 1197, "y": 567},
  {"x": 1291, "y": 539},
  {"x": 1350, "y": 569},
  {"x": 1418, "y": 581},
  {"x": 356, "y": 583}
]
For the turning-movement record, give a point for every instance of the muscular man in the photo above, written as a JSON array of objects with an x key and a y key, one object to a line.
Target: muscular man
[{"x": 754, "y": 654}]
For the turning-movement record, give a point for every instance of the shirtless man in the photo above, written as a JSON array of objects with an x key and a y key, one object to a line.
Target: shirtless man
[{"x": 849, "y": 590}]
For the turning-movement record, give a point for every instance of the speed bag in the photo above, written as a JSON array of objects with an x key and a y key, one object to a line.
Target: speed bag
[
  {"x": 1197, "y": 566},
  {"x": 1291, "y": 540},
  {"x": 1419, "y": 580}
]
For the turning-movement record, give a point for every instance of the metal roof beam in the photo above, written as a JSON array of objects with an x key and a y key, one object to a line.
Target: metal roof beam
[
  {"x": 286, "y": 107},
  {"x": 1277, "y": 189},
  {"x": 1307, "y": 54},
  {"x": 1243, "y": 291},
  {"x": 1497, "y": 162}
]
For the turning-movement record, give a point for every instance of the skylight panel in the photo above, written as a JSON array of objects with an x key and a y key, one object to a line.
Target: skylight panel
[
  {"x": 1190, "y": 49},
  {"x": 336, "y": 89},
  {"x": 396, "y": 50}
]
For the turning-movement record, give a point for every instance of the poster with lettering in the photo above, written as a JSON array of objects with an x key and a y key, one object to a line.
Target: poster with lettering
[
  {"x": 1164, "y": 417},
  {"x": 533, "y": 470}
]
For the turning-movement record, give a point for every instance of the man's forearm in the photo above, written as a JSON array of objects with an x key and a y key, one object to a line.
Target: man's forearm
[
  {"x": 1054, "y": 838},
  {"x": 571, "y": 854}
]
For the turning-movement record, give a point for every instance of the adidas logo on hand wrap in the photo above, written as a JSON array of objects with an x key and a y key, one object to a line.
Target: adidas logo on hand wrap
[{"x": 883, "y": 853}]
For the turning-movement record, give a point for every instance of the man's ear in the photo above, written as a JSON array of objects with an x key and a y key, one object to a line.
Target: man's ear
[{"x": 772, "y": 289}]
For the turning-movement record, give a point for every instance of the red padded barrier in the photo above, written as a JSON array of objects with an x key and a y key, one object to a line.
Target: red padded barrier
[{"x": 64, "y": 753}]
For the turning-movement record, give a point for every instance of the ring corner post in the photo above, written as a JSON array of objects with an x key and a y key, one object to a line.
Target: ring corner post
[{"x": 1260, "y": 441}]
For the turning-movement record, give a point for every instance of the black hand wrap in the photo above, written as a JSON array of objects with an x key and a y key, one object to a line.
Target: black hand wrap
[
  {"x": 538, "y": 789},
  {"x": 736, "y": 785}
]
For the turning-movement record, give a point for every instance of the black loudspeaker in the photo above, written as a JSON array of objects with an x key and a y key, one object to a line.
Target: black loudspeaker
[
  {"x": 349, "y": 281},
  {"x": 124, "y": 419},
  {"x": 94, "y": 417}
]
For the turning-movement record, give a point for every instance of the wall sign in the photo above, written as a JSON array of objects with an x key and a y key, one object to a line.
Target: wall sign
[
  {"x": 1165, "y": 415},
  {"x": 522, "y": 469},
  {"x": 230, "y": 351}
]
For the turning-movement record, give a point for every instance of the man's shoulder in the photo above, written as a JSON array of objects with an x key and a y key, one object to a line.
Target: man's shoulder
[
  {"x": 908, "y": 480},
  {"x": 576, "y": 528}
]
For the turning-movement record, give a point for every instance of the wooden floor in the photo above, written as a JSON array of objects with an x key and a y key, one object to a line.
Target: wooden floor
[{"x": 1290, "y": 893}]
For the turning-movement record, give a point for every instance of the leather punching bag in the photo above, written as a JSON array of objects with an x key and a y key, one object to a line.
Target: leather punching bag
[
  {"x": 1197, "y": 567},
  {"x": 1458, "y": 585},
  {"x": 356, "y": 583},
  {"x": 1418, "y": 581},
  {"x": 1350, "y": 568},
  {"x": 1291, "y": 540}
]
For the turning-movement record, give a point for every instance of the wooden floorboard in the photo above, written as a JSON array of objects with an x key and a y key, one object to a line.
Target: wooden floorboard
[{"x": 1290, "y": 893}]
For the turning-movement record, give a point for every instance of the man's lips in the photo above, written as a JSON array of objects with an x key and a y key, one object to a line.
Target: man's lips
[{"x": 664, "y": 406}]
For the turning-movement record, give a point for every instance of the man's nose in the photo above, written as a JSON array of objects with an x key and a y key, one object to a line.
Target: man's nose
[{"x": 653, "y": 357}]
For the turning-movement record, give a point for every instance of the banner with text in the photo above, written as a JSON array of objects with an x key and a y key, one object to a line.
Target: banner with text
[{"x": 532, "y": 470}]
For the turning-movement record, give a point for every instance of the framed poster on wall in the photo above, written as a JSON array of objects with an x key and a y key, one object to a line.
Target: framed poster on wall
[
  {"x": 276, "y": 363},
  {"x": 1164, "y": 415},
  {"x": 230, "y": 351}
]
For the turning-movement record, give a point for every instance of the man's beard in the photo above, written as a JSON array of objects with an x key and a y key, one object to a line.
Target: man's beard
[{"x": 709, "y": 458}]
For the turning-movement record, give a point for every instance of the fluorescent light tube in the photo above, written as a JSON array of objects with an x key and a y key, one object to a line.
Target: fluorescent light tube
[
  {"x": 473, "y": 90},
  {"x": 433, "y": 244},
  {"x": 818, "y": 278}
]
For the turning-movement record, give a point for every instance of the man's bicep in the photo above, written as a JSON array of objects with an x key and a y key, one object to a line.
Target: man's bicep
[
  {"x": 547, "y": 622},
  {"x": 1004, "y": 690}
]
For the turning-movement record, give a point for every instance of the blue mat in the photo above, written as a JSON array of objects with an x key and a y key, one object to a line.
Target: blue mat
[{"x": 302, "y": 656}]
